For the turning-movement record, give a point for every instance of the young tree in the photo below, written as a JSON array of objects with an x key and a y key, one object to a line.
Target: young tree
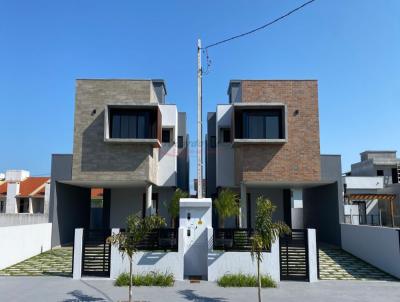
[
  {"x": 136, "y": 230},
  {"x": 227, "y": 205},
  {"x": 173, "y": 208},
  {"x": 265, "y": 233}
]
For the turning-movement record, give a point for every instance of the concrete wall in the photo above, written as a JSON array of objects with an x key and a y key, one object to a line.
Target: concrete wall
[
  {"x": 224, "y": 151},
  {"x": 22, "y": 219},
  {"x": 221, "y": 263},
  {"x": 22, "y": 242},
  {"x": 95, "y": 159},
  {"x": 128, "y": 201},
  {"x": 379, "y": 246},
  {"x": 364, "y": 182},
  {"x": 211, "y": 164},
  {"x": 167, "y": 157},
  {"x": 183, "y": 154},
  {"x": 69, "y": 205},
  {"x": 323, "y": 205}
]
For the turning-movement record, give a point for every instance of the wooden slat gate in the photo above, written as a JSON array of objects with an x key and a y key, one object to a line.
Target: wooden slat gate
[
  {"x": 96, "y": 253},
  {"x": 294, "y": 256}
]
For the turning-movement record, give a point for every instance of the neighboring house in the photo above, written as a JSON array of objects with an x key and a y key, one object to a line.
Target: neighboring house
[
  {"x": 22, "y": 194},
  {"x": 372, "y": 189},
  {"x": 266, "y": 142},
  {"x": 127, "y": 142}
]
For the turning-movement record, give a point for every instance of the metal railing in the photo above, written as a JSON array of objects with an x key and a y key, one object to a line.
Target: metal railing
[
  {"x": 374, "y": 220},
  {"x": 232, "y": 239},
  {"x": 163, "y": 239}
]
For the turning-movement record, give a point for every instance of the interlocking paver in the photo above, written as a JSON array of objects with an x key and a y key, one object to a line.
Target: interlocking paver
[
  {"x": 56, "y": 262},
  {"x": 336, "y": 264}
]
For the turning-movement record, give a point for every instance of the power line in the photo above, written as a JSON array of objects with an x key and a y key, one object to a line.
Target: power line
[{"x": 261, "y": 27}]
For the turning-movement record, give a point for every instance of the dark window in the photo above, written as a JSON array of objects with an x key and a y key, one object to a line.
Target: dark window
[
  {"x": 225, "y": 135},
  {"x": 129, "y": 123},
  {"x": 166, "y": 135},
  {"x": 395, "y": 176},
  {"x": 213, "y": 141},
  {"x": 2, "y": 206},
  {"x": 180, "y": 141},
  {"x": 266, "y": 124},
  {"x": 23, "y": 205},
  {"x": 379, "y": 172}
]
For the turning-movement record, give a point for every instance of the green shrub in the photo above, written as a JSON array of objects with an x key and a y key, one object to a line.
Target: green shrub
[
  {"x": 242, "y": 280},
  {"x": 148, "y": 279}
]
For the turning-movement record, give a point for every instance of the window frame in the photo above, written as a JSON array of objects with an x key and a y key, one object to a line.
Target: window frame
[{"x": 222, "y": 132}]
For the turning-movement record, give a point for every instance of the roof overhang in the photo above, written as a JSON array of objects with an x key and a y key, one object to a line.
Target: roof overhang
[
  {"x": 386, "y": 197},
  {"x": 109, "y": 184},
  {"x": 288, "y": 184}
]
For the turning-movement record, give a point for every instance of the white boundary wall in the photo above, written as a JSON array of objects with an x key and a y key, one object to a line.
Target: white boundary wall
[
  {"x": 170, "y": 262},
  {"x": 378, "y": 246},
  {"x": 221, "y": 263},
  {"x": 21, "y": 242}
]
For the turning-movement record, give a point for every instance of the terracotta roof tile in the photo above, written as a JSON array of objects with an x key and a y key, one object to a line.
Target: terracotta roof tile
[
  {"x": 31, "y": 184},
  {"x": 97, "y": 193},
  {"x": 3, "y": 189}
]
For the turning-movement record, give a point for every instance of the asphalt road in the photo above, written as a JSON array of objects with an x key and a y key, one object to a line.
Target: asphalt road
[{"x": 67, "y": 290}]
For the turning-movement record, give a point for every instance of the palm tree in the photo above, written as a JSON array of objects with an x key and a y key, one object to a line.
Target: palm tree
[
  {"x": 265, "y": 233},
  {"x": 227, "y": 205},
  {"x": 136, "y": 230},
  {"x": 173, "y": 208}
]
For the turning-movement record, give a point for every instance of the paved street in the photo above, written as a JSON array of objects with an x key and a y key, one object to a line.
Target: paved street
[{"x": 67, "y": 290}]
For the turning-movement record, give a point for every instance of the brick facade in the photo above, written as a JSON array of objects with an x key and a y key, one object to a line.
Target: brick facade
[{"x": 297, "y": 160}]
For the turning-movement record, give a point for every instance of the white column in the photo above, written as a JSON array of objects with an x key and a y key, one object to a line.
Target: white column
[
  {"x": 243, "y": 206},
  {"x": 11, "y": 201},
  {"x": 30, "y": 205},
  {"x": 78, "y": 246},
  {"x": 116, "y": 261},
  {"x": 149, "y": 201},
  {"x": 296, "y": 202},
  {"x": 312, "y": 255}
]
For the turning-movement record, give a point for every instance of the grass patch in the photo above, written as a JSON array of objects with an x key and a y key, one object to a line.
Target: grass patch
[
  {"x": 148, "y": 279},
  {"x": 242, "y": 280}
]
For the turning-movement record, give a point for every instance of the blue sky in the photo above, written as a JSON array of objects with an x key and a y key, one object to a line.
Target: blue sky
[{"x": 351, "y": 47}]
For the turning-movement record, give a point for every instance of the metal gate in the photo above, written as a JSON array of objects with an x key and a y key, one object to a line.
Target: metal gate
[
  {"x": 96, "y": 253},
  {"x": 294, "y": 256}
]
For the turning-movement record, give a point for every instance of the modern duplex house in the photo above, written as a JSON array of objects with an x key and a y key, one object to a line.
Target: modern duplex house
[
  {"x": 372, "y": 189},
  {"x": 265, "y": 141},
  {"x": 128, "y": 142}
]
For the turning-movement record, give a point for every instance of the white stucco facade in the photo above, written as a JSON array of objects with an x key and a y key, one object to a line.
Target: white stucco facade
[{"x": 167, "y": 157}]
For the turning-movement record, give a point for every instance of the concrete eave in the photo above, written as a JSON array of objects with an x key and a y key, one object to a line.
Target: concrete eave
[
  {"x": 109, "y": 184},
  {"x": 286, "y": 184}
]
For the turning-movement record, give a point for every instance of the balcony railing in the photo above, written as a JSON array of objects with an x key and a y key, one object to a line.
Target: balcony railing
[{"x": 233, "y": 239}]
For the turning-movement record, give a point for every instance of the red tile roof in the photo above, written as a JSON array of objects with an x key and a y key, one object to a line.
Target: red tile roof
[
  {"x": 3, "y": 189},
  {"x": 97, "y": 193},
  {"x": 31, "y": 185}
]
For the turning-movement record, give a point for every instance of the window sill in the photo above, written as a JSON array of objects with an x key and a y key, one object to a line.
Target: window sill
[
  {"x": 140, "y": 141},
  {"x": 258, "y": 141}
]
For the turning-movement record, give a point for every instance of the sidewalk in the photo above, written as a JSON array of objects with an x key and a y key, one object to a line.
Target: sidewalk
[{"x": 68, "y": 290}]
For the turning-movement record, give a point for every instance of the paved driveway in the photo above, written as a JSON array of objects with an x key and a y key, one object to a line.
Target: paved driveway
[{"x": 68, "y": 290}]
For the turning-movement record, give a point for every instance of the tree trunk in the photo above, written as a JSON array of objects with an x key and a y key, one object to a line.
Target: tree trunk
[
  {"x": 173, "y": 222},
  {"x": 130, "y": 279},
  {"x": 221, "y": 223},
  {"x": 259, "y": 278}
]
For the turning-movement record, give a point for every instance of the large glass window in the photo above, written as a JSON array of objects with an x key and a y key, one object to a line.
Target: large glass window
[
  {"x": 265, "y": 124},
  {"x": 125, "y": 123}
]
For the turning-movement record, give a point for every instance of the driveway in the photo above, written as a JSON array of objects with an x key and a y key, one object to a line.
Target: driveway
[{"x": 68, "y": 290}]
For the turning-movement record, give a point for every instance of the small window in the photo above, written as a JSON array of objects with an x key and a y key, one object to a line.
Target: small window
[
  {"x": 395, "y": 176},
  {"x": 225, "y": 135},
  {"x": 213, "y": 141},
  {"x": 166, "y": 136},
  {"x": 2, "y": 206},
  {"x": 23, "y": 205},
  {"x": 379, "y": 172},
  {"x": 180, "y": 141}
]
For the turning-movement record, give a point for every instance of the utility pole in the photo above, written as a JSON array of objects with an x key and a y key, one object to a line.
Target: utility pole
[{"x": 199, "y": 124}]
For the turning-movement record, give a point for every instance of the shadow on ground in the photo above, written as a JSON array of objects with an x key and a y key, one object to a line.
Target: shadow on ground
[{"x": 190, "y": 295}]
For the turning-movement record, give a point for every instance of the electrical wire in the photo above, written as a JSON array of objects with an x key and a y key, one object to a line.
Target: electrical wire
[{"x": 259, "y": 28}]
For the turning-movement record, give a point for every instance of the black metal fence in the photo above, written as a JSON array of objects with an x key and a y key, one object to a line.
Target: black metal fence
[
  {"x": 96, "y": 253},
  {"x": 163, "y": 239},
  {"x": 232, "y": 239}
]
